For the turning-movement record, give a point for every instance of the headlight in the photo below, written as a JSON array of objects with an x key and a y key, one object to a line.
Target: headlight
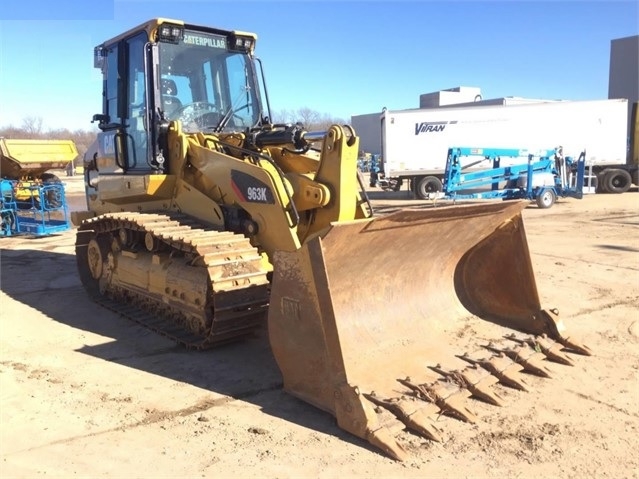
[
  {"x": 170, "y": 33},
  {"x": 241, "y": 43}
]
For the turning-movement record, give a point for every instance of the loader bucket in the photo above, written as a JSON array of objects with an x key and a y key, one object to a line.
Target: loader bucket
[{"x": 362, "y": 311}]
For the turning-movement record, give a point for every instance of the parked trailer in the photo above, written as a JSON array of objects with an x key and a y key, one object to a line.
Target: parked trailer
[
  {"x": 546, "y": 175},
  {"x": 415, "y": 143}
]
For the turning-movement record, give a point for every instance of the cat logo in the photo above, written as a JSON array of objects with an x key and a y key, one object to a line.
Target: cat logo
[{"x": 108, "y": 144}]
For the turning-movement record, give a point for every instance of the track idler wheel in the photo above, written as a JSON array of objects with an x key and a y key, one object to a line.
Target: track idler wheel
[{"x": 91, "y": 252}]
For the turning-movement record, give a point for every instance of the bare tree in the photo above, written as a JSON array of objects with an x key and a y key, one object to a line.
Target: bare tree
[
  {"x": 11, "y": 132},
  {"x": 307, "y": 117},
  {"x": 325, "y": 122},
  {"x": 282, "y": 116},
  {"x": 32, "y": 126}
]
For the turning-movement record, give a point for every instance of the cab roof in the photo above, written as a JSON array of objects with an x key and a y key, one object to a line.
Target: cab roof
[{"x": 151, "y": 27}]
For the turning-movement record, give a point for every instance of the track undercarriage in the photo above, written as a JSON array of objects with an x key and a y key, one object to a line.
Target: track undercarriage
[{"x": 196, "y": 285}]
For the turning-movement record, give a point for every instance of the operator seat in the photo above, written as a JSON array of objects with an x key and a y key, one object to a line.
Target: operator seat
[{"x": 170, "y": 102}]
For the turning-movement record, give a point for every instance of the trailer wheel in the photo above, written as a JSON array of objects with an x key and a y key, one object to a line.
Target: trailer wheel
[
  {"x": 50, "y": 179},
  {"x": 546, "y": 198},
  {"x": 427, "y": 185},
  {"x": 617, "y": 181},
  {"x": 52, "y": 198},
  {"x": 7, "y": 223},
  {"x": 601, "y": 182}
]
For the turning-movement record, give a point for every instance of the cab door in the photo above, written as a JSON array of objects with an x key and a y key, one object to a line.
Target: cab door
[
  {"x": 123, "y": 144},
  {"x": 136, "y": 130}
]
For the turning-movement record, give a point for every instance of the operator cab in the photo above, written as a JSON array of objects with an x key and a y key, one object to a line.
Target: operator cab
[{"x": 164, "y": 71}]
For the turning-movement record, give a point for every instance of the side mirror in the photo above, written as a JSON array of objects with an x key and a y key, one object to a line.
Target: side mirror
[{"x": 99, "y": 117}]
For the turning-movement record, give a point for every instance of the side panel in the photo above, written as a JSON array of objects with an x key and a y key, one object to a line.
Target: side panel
[
  {"x": 417, "y": 141},
  {"x": 367, "y": 128}
]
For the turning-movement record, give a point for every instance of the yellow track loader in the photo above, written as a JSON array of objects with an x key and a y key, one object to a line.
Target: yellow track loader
[{"x": 205, "y": 219}]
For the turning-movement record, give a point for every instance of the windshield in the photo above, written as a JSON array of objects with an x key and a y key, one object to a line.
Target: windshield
[{"x": 206, "y": 86}]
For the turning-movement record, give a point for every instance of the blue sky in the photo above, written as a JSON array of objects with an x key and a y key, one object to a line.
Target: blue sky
[{"x": 339, "y": 58}]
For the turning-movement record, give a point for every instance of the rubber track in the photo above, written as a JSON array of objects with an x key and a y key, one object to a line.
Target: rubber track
[{"x": 237, "y": 300}]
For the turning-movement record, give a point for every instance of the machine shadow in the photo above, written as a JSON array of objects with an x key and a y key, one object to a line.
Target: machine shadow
[{"x": 245, "y": 370}]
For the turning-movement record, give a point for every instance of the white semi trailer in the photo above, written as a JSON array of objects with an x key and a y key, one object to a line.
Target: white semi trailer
[{"x": 415, "y": 142}]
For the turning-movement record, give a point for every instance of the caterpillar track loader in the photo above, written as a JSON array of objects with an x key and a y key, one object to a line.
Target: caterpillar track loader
[{"x": 205, "y": 220}]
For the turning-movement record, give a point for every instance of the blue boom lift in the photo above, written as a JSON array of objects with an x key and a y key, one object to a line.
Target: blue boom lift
[
  {"x": 546, "y": 175},
  {"x": 33, "y": 209}
]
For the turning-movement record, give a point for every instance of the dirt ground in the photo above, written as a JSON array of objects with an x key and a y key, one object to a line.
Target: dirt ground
[{"x": 85, "y": 393}]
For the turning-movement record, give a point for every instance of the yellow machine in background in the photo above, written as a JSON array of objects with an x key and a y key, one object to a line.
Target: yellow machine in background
[
  {"x": 205, "y": 218},
  {"x": 28, "y": 162}
]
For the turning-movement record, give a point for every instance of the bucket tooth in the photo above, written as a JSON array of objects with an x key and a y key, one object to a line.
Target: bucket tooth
[
  {"x": 555, "y": 327},
  {"x": 503, "y": 368},
  {"x": 414, "y": 415},
  {"x": 575, "y": 346},
  {"x": 551, "y": 349},
  {"x": 356, "y": 415},
  {"x": 531, "y": 360},
  {"x": 383, "y": 439},
  {"x": 448, "y": 396},
  {"x": 476, "y": 380}
]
